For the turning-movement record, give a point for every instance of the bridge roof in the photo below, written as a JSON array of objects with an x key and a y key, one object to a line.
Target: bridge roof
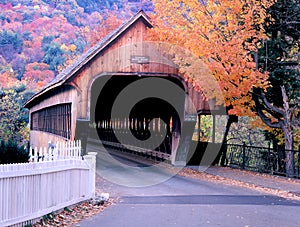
[{"x": 85, "y": 58}]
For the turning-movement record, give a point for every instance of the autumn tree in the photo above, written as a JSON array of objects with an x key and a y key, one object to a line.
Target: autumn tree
[
  {"x": 279, "y": 105},
  {"x": 7, "y": 77},
  {"x": 37, "y": 75},
  {"x": 224, "y": 35},
  {"x": 109, "y": 23}
]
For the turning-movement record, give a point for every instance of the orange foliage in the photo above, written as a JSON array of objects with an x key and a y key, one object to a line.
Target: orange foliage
[
  {"x": 108, "y": 25},
  {"x": 223, "y": 35}
]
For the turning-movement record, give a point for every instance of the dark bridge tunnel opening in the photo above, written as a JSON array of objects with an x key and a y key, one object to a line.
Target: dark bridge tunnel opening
[{"x": 151, "y": 118}]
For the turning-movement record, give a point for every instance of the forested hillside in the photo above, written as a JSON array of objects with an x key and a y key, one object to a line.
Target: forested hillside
[{"x": 39, "y": 38}]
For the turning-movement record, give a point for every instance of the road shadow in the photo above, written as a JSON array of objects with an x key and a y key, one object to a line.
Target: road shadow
[{"x": 264, "y": 200}]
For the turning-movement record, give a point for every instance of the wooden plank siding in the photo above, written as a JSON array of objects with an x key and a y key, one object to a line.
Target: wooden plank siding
[
  {"x": 116, "y": 60},
  {"x": 54, "y": 119},
  {"x": 110, "y": 57},
  {"x": 66, "y": 94}
]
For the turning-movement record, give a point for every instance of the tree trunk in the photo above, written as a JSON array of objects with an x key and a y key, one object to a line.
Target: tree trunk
[
  {"x": 289, "y": 153},
  {"x": 288, "y": 135},
  {"x": 223, "y": 150},
  {"x": 284, "y": 121}
]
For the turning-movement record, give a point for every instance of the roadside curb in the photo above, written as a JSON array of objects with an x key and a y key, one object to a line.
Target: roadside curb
[
  {"x": 191, "y": 172},
  {"x": 257, "y": 185}
]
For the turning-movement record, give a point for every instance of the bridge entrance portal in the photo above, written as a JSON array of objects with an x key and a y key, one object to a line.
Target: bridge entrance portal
[{"x": 152, "y": 128}]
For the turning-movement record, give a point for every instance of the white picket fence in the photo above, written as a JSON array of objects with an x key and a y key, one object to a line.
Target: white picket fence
[
  {"x": 61, "y": 150},
  {"x": 53, "y": 179}
]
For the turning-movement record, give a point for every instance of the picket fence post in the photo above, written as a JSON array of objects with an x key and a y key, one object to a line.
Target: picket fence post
[
  {"x": 62, "y": 150},
  {"x": 91, "y": 160}
]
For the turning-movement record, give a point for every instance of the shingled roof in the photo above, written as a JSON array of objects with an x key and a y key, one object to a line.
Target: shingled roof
[{"x": 85, "y": 58}]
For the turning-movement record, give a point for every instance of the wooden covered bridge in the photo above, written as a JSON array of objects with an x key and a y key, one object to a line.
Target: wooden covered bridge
[{"x": 79, "y": 101}]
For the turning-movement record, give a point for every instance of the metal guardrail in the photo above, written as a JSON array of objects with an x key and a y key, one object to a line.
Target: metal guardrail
[
  {"x": 141, "y": 151},
  {"x": 160, "y": 153},
  {"x": 262, "y": 159}
]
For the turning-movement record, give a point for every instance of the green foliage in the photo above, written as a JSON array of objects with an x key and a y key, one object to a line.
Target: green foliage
[
  {"x": 244, "y": 131},
  {"x": 47, "y": 40},
  {"x": 10, "y": 44},
  {"x": 49, "y": 216},
  {"x": 80, "y": 44},
  {"x": 280, "y": 56},
  {"x": 67, "y": 209},
  {"x": 27, "y": 36},
  {"x": 10, "y": 37},
  {"x": 206, "y": 128},
  {"x": 11, "y": 152},
  {"x": 13, "y": 117},
  {"x": 53, "y": 56}
]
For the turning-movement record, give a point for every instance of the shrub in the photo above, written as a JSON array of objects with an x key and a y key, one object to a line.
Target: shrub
[{"x": 10, "y": 152}]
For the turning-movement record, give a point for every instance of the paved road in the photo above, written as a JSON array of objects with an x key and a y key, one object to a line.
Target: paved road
[{"x": 180, "y": 201}]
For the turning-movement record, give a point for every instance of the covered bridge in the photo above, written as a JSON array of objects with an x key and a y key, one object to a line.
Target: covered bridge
[{"x": 81, "y": 98}]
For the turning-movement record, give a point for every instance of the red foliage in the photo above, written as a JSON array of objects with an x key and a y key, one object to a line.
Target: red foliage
[{"x": 37, "y": 75}]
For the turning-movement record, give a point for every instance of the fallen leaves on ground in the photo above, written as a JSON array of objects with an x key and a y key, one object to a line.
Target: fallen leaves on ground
[
  {"x": 187, "y": 172},
  {"x": 72, "y": 215}
]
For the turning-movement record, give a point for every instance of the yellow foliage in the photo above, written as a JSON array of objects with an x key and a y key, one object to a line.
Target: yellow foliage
[
  {"x": 72, "y": 47},
  {"x": 64, "y": 47}
]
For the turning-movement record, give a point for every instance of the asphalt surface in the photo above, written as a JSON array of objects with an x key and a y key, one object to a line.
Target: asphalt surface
[
  {"x": 263, "y": 180},
  {"x": 172, "y": 200}
]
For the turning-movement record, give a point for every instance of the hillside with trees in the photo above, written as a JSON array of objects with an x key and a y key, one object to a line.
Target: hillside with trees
[{"x": 41, "y": 37}]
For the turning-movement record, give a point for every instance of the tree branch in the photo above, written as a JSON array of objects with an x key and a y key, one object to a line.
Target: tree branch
[
  {"x": 269, "y": 105},
  {"x": 260, "y": 108}
]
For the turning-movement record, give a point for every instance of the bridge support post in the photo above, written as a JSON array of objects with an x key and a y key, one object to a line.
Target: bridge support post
[
  {"x": 174, "y": 146},
  {"x": 180, "y": 157},
  {"x": 82, "y": 132}
]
